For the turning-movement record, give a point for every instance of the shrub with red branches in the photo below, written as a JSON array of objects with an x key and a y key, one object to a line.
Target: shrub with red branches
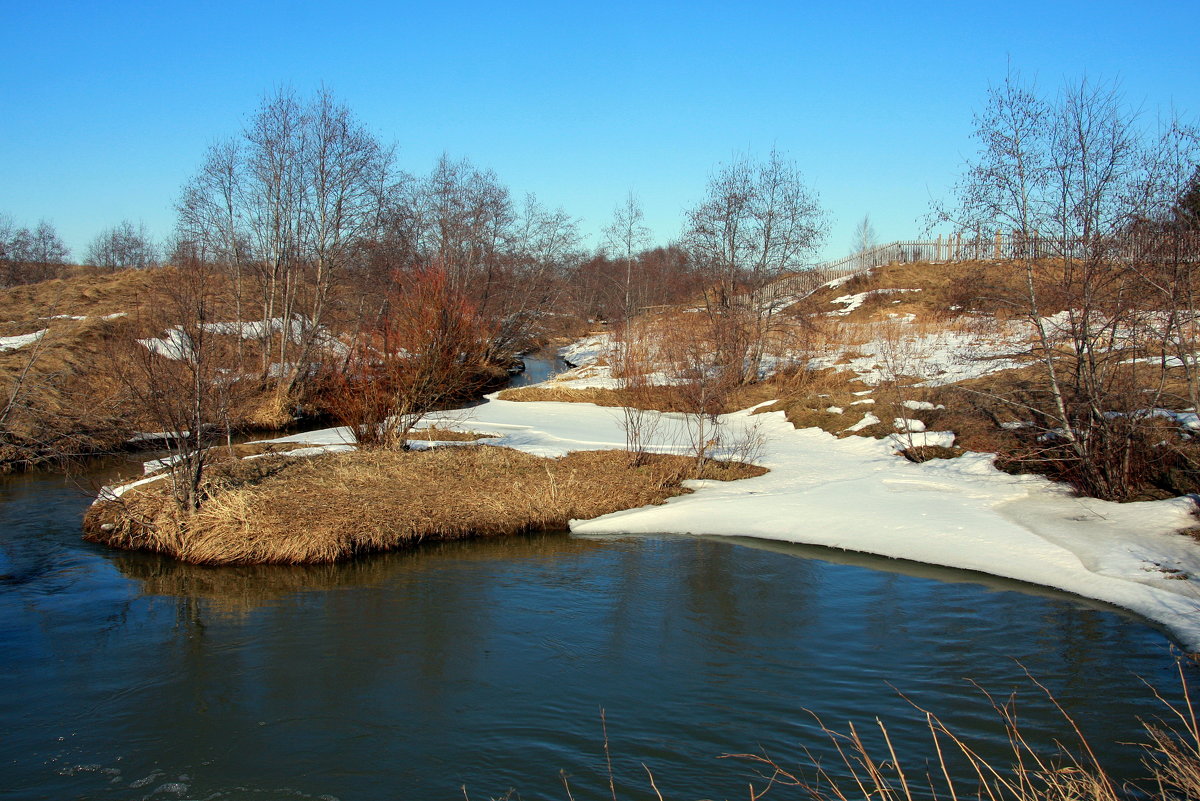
[{"x": 427, "y": 348}]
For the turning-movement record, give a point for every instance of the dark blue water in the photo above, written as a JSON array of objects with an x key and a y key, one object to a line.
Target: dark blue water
[
  {"x": 487, "y": 665},
  {"x": 538, "y": 368}
]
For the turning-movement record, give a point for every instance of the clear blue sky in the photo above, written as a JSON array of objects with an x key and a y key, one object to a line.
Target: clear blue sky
[{"x": 106, "y": 108}]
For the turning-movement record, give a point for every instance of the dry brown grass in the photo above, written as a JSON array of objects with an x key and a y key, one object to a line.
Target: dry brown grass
[
  {"x": 86, "y": 291},
  {"x": 439, "y": 434},
  {"x": 72, "y": 401},
  {"x": 656, "y": 398},
  {"x": 866, "y": 765},
  {"x": 806, "y": 396},
  {"x": 556, "y": 394},
  {"x": 336, "y": 506},
  {"x": 942, "y": 290}
]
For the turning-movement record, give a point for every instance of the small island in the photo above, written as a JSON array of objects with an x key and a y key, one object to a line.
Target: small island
[{"x": 281, "y": 509}]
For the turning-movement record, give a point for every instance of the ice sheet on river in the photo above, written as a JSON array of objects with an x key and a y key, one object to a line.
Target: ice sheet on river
[{"x": 858, "y": 494}]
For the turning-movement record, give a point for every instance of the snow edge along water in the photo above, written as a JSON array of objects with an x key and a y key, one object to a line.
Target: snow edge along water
[{"x": 859, "y": 494}]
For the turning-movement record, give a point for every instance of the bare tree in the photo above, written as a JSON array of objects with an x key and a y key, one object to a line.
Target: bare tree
[
  {"x": 637, "y": 356},
  {"x": 346, "y": 176},
  {"x": 291, "y": 207},
  {"x": 757, "y": 222},
  {"x": 427, "y": 349},
  {"x": 1071, "y": 177},
  {"x": 212, "y": 219},
  {"x": 701, "y": 382},
  {"x": 465, "y": 217},
  {"x": 180, "y": 381},
  {"x": 123, "y": 246},
  {"x": 29, "y": 255},
  {"x": 864, "y": 235},
  {"x": 541, "y": 248},
  {"x": 508, "y": 259},
  {"x": 625, "y": 237},
  {"x": 1167, "y": 265}
]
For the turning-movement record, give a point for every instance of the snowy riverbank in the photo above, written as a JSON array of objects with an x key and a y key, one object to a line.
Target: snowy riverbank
[{"x": 857, "y": 494}]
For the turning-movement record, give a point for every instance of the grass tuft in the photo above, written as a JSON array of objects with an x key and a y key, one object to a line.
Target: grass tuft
[{"x": 280, "y": 510}]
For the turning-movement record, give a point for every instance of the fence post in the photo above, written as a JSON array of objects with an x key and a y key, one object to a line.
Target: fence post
[
  {"x": 998, "y": 240},
  {"x": 938, "y": 257}
]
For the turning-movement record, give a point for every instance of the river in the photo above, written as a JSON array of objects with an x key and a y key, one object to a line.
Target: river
[{"x": 485, "y": 665}]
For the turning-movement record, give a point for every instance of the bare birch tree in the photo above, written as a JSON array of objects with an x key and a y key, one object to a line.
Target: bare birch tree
[
  {"x": 290, "y": 206},
  {"x": 624, "y": 238},
  {"x": 757, "y": 222},
  {"x": 123, "y": 246},
  {"x": 1071, "y": 177},
  {"x": 29, "y": 255}
]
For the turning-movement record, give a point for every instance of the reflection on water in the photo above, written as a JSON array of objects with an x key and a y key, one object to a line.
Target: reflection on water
[
  {"x": 486, "y": 664},
  {"x": 238, "y": 590}
]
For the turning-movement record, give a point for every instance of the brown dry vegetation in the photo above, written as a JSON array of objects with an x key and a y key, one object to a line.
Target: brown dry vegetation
[
  {"x": 85, "y": 291},
  {"x": 335, "y": 506},
  {"x": 439, "y": 434},
  {"x": 70, "y": 400},
  {"x": 943, "y": 290},
  {"x": 806, "y": 396},
  {"x": 71, "y": 389},
  {"x": 946, "y": 290},
  {"x": 656, "y": 398},
  {"x": 966, "y": 300}
]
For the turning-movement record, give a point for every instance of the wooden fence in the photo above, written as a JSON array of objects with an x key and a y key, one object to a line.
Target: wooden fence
[
  {"x": 1145, "y": 246},
  {"x": 1141, "y": 246}
]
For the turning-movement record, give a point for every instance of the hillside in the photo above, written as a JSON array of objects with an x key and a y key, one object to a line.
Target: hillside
[
  {"x": 905, "y": 349},
  {"x": 76, "y": 366}
]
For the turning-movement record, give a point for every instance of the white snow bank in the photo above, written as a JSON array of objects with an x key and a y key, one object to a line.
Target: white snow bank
[
  {"x": 845, "y": 279},
  {"x": 936, "y": 357},
  {"x": 314, "y": 450},
  {"x": 152, "y": 436},
  {"x": 113, "y": 316},
  {"x": 1188, "y": 421},
  {"x": 20, "y": 340},
  {"x": 587, "y": 351},
  {"x": 175, "y": 344},
  {"x": 852, "y": 302},
  {"x": 868, "y": 419},
  {"x": 256, "y": 329},
  {"x": 589, "y": 376},
  {"x": 113, "y": 491}
]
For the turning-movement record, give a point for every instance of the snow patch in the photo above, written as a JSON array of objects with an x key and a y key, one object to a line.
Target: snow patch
[
  {"x": 867, "y": 420},
  {"x": 21, "y": 340},
  {"x": 587, "y": 351}
]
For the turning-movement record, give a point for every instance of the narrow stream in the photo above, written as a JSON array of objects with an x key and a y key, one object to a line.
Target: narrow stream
[
  {"x": 539, "y": 367},
  {"x": 485, "y": 665}
]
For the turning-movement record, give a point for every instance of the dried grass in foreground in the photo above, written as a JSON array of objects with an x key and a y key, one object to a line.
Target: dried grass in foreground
[
  {"x": 279, "y": 510},
  {"x": 862, "y": 763},
  {"x": 1036, "y": 771}
]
